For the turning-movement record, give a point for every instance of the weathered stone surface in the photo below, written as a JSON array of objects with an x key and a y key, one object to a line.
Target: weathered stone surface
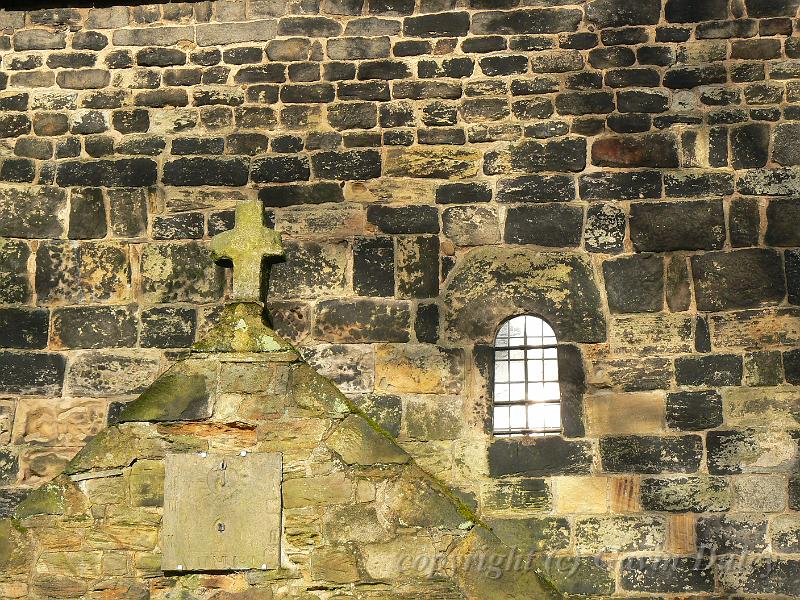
[
  {"x": 359, "y": 442},
  {"x": 559, "y": 287},
  {"x": 644, "y": 410},
  {"x": 620, "y": 534},
  {"x": 180, "y": 272},
  {"x": 15, "y": 284},
  {"x": 32, "y": 372},
  {"x": 538, "y": 457},
  {"x": 100, "y": 374},
  {"x": 750, "y": 451},
  {"x": 432, "y": 161},
  {"x": 737, "y": 279},
  {"x": 667, "y": 226},
  {"x": 635, "y": 283},
  {"x": 650, "y": 454},
  {"x": 419, "y": 369},
  {"x": 184, "y": 393},
  {"x": 35, "y": 212},
  {"x": 686, "y": 494},
  {"x": 94, "y": 327},
  {"x": 555, "y": 225},
  {"x": 362, "y": 321}
]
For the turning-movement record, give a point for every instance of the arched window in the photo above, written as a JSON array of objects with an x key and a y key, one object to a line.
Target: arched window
[{"x": 527, "y": 395}]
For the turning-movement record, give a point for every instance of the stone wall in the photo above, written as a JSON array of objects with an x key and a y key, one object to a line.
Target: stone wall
[{"x": 627, "y": 170}]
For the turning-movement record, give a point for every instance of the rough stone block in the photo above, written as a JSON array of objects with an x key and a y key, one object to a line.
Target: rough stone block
[
  {"x": 620, "y": 533},
  {"x": 651, "y": 454},
  {"x": 750, "y": 451},
  {"x": 686, "y": 494},
  {"x": 694, "y": 411},
  {"x": 635, "y": 283},
  {"x": 537, "y": 457},
  {"x": 362, "y": 321},
  {"x": 644, "y": 413},
  {"x": 28, "y": 373},
  {"x": 668, "y": 226},
  {"x": 310, "y": 270},
  {"x": 32, "y": 212},
  {"x": 179, "y": 272},
  {"x": 737, "y": 279}
]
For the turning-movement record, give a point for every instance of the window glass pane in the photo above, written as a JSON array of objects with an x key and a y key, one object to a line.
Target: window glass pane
[
  {"x": 534, "y": 327},
  {"x": 516, "y": 392},
  {"x": 518, "y": 417},
  {"x": 500, "y": 417},
  {"x": 552, "y": 416},
  {"x": 503, "y": 330},
  {"x": 536, "y": 416},
  {"x": 501, "y": 371},
  {"x": 547, "y": 331},
  {"x": 552, "y": 391},
  {"x": 516, "y": 341},
  {"x": 536, "y": 391},
  {"x": 535, "y": 353},
  {"x": 516, "y": 327},
  {"x": 550, "y": 370},
  {"x": 501, "y": 392},
  {"x": 501, "y": 342},
  {"x": 550, "y": 353},
  {"x": 516, "y": 354},
  {"x": 517, "y": 370},
  {"x": 501, "y": 355},
  {"x": 535, "y": 370}
]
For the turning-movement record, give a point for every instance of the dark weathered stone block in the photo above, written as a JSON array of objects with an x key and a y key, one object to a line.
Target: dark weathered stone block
[
  {"x": 353, "y": 321},
  {"x": 523, "y": 21},
  {"x": 713, "y": 370},
  {"x": 668, "y": 226},
  {"x": 632, "y": 185},
  {"x": 694, "y": 411},
  {"x": 635, "y": 283},
  {"x": 24, "y": 327},
  {"x": 737, "y": 279},
  {"x": 783, "y": 222},
  {"x": 731, "y": 534},
  {"x": 537, "y": 457},
  {"x": 31, "y": 211},
  {"x": 124, "y": 172},
  {"x": 168, "y": 327},
  {"x": 347, "y": 165},
  {"x": 94, "y": 326},
  {"x": 373, "y": 266},
  {"x": 404, "y": 219},
  {"x": 605, "y": 229},
  {"x": 206, "y": 171},
  {"x": 280, "y": 169},
  {"x": 651, "y": 454},
  {"x": 695, "y": 11},
  {"x": 684, "y": 574},
  {"x": 417, "y": 267},
  {"x": 439, "y": 24},
  {"x": 38, "y": 373},
  {"x": 548, "y": 224},
  {"x": 699, "y": 494}
]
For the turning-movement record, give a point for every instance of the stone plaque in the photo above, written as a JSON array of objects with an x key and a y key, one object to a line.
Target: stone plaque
[{"x": 221, "y": 512}]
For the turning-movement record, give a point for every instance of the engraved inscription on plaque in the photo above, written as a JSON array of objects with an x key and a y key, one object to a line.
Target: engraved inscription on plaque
[{"x": 221, "y": 512}]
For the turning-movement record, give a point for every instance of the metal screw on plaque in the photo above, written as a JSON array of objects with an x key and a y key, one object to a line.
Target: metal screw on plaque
[{"x": 220, "y": 527}]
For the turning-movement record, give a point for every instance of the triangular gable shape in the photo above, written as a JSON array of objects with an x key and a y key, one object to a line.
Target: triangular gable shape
[{"x": 359, "y": 520}]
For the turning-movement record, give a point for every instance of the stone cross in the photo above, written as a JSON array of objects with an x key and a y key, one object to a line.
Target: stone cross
[{"x": 246, "y": 245}]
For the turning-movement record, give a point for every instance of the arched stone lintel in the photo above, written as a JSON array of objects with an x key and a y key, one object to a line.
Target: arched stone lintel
[{"x": 492, "y": 284}]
